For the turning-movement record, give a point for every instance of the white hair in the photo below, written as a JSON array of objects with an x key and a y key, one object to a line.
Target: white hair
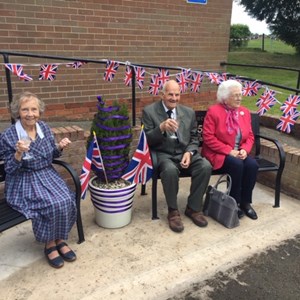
[{"x": 224, "y": 89}]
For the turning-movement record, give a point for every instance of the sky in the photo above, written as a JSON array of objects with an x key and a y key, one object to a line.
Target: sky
[{"x": 239, "y": 16}]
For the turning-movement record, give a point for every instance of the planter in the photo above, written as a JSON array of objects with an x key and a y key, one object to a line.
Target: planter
[{"x": 113, "y": 207}]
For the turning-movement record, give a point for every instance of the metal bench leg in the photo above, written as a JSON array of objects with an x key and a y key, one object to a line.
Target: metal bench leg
[
  {"x": 277, "y": 189},
  {"x": 154, "y": 198},
  {"x": 143, "y": 190}
]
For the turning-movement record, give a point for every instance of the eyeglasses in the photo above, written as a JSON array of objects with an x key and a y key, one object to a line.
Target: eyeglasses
[{"x": 237, "y": 95}]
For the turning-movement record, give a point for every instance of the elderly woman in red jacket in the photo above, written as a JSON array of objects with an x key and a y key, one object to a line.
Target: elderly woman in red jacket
[{"x": 227, "y": 142}]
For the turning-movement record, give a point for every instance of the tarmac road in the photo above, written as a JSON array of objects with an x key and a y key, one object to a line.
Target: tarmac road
[{"x": 272, "y": 275}]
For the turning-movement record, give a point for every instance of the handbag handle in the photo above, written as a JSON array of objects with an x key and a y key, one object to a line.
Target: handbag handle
[{"x": 227, "y": 180}]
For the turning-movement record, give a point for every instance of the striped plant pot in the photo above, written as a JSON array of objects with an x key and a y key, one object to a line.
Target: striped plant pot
[{"x": 113, "y": 207}]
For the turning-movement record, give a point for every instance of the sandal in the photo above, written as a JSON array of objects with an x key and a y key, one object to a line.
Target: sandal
[
  {"x": 56, "y": 262},
  {"x": 68, "y": 256}
]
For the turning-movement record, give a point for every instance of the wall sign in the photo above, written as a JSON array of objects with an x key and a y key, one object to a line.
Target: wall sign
[{"x": 197, "y": 1}]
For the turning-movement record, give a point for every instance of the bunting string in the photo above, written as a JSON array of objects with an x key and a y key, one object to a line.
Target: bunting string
[{"x": 187, "y": 79}]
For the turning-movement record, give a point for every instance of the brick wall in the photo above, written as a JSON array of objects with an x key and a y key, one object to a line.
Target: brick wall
[
  {"x": 167, "y": 33},
  {"x": 290, "y": 182}
]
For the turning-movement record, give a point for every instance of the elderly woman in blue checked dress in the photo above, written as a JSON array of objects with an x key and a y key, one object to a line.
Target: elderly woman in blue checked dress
[{"x": 32, "y": 186}]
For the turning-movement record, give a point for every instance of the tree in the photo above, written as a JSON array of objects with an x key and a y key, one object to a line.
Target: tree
[
  {"x": 282, "y": 17},
  {"x": 239, "y": 35}
]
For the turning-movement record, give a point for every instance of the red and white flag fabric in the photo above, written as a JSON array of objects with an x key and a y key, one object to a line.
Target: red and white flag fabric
[
  {"x": 196, "y": 81},
  {"x": 182, "y": 79},
  {"x": 128, "y": 76},
  {"x": 290, "y": 104},
  {"x": 250, "y": 88},
  {"x": 214, "y": 78},
  {"x": 140, "y": 76},
  {"x": 76, "y": 64},
  {"x": 111, "y": 70},
  {"x": 48, "y": 72},
  {"x": 154, "y": 85},
  {"x": 163, "y": 76},
  {"x": 17, "y": 70},
  {"x": 266, "y": 101},
  {"x": 93, "y": 160},
  {"x": 286, "y": 122},
  {"x": 140, "y": 167}
]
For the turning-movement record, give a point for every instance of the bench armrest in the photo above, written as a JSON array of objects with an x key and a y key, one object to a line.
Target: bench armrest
[{"x": 281, "y": 153}]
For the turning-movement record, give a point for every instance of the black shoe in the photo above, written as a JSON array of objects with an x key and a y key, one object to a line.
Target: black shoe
[
  {"x": 250, "y": 212},
  {"x": 68, "y": 256},
  {"x": 240, "y": 213},
  {"x": 56, "y": 262}
]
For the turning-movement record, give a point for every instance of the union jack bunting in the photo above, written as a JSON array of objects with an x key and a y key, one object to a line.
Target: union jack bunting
[
  {"x": 287, "y": 121},
  {"x": 214, "y": 78},
  {"x": 48, "y": 72},
  {"x": 140, "y": 167},
  {"x": 111, "y": 70},
  {"x": 92, "y": 160},
  {"x": 76, "y": 64},
  {"x": 183, "y": 79},
  {"x": 140, "y": 76},
  {"x": 290, "y": 104},
  {"x": 154, "y": 85},
  {"x": 18, "y": 71},
  {"x": 266, "y": 101},
  {"x": 128, "y": 76},
  {"x": 163, "y": 76},
  {"x": 196, "y": 81},
  {"x": 250, "y": 88}
]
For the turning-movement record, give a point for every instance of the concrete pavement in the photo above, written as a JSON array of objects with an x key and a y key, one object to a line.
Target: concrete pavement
[{"x": 143, "y": 260}]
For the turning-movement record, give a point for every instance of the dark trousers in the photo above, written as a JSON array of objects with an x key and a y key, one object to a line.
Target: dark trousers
[
  {"x": 199, "y": 170},
  {"x": 243, "y": 174}
]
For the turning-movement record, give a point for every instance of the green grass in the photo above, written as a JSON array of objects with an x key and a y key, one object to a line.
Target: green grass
[
  {"x": 256, "y": 57},
  {"x": 272, "y": 46}
]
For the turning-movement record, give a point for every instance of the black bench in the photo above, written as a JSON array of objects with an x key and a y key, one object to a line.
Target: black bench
[
  {"x": 264, "y": 165},
  {"x": 10, "y": 217}
]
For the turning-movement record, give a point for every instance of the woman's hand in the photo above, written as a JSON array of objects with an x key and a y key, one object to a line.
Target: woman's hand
[
  {"x": 234, "y": 153},
  {"x": 63, "y": 143},
  {"x": 21, "y": 147},
  {"x": 242, "y": 154}
]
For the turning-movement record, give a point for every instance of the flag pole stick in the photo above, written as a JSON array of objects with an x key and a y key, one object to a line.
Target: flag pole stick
[{"x": 100, "y": 157}]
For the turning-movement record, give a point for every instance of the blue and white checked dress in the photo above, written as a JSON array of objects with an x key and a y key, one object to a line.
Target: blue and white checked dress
[{"x": 34, "y": 188}]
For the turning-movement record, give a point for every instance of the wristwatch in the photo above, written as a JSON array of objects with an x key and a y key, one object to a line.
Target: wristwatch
[{"x": 193, "y": 152}]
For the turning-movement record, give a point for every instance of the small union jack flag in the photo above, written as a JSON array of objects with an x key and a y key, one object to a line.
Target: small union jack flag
[
  {"x": 140, "y": 76},
  {"x": 214, "y": 78},
  {"x": 163, "y": 76},
  {"x": 140, "y": 167},
  {"x": 76, "y": 64},
  {"x": 183, "y": 79},
  {"x": 48, "y": 72},
  {"x": 290, "y": 104},
  {"x": 287, "y": 121},
  {"x": 128, "y": 76},
  {"x": 111, "y": 70},
  {"x": 154, "y": 85},
  {"x": 266, "y": 101},
  {"x": 18, "y": 71},
  {"x": 196, "y": 81},
  {"x": 92, "y": 160},
  {"x": 250, "y": 88}
]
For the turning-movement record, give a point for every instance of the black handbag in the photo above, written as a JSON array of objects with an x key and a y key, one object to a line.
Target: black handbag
[{"x": 220, "y": 206}]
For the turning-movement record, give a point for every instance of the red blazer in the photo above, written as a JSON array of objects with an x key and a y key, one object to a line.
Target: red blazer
[{"x": 217, "y": 142}]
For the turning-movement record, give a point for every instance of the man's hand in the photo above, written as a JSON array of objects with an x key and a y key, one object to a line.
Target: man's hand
[{"x": 186, "y": 160}]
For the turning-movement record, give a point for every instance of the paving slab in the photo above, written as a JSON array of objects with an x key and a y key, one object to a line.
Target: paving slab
[{"x": 145, "y": 259}]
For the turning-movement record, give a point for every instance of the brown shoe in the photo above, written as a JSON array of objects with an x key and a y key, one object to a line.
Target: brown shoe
[
  {"x": 196, "y": 216},
  {"x": 174, "y": 219}
]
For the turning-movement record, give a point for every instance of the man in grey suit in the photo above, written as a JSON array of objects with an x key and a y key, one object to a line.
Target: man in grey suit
[{"x": 171, "y": 131}]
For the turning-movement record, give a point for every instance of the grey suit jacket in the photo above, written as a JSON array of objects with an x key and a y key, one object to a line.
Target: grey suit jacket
[{"x": 154, "y": 114}]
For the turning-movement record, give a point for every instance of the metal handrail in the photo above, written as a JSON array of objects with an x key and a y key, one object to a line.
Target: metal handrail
[{"x": 297, "y": 89}]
